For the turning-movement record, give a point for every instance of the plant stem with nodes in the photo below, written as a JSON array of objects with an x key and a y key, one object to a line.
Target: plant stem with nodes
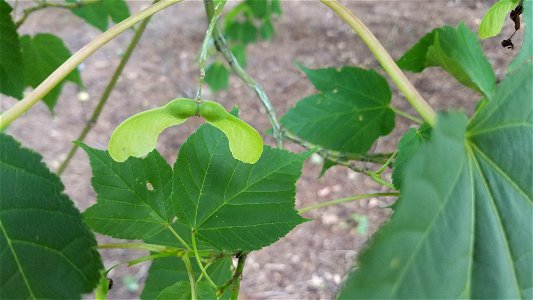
[
  {"x": 222, "y": 47},
  {"x": 387, "y": 63},
  {"x": 105, "y": 95},
  {"x": 235, "y": 279},
  {"x": 344, "y": 200},
  {"x": 236, "y": 286},
  {"x": 44, "y": 4},
  {"x": 68, "y": 66},
  {"x": 203, "y": 55},
  {"x": 376, "y": 158}
]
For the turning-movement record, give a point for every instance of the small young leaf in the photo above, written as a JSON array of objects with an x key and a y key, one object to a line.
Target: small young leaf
[
  {"x": 266, "y": 30},
  {"x": 42, "y": 54},
  {"x": 276, "y": 7},
  {"x": 230, "y": 204},
  {"x": 493, "y": 21},
  {"x": 243, "y": 32},
  {"x": 408, "y": 146},
  {"x": 349, "y": 114},
  {"x": 259, "y": 8},
  {"x": 47, "y": 251},
  {"x": 133, "y": 198},
  {"x": 11, "y": 65},
  {"x": 458, "y": 52},
  {"x": 217, "y": 76},
  {"x": 138, "y": 134},
  {"x": 98, "y": 14}
]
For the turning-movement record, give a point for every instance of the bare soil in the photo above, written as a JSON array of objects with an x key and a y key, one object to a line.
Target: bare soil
[{"x": 312, "y": 261}]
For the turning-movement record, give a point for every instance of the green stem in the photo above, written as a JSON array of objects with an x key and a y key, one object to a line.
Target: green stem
[
  {"x": 236, "y": 286},
  {"x": 70, "y": 64},
  {"x": 222, "y": 47},
  {"x": 377, "y": 158},
  {"x": 344, "y": 200},
  {"x": 205, "y": 45},
  {"x": 150, "y": 257},
  {"x": 391, "y": 68},
  {"x": 190, "y": 272},
  {"x": 140, "y": 246},
  {"x": 199, "y": 262},
  {"x": 43, "y": 4},
  {"x": 406, "y": 115},
  {"x": 105, "y": 95},
  {"x": 180, "y": 239}
]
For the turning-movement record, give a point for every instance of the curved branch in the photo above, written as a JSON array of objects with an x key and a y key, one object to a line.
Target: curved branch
[
  {"x": 389, "y": 65},
  {"x": 68, "y": 66}
]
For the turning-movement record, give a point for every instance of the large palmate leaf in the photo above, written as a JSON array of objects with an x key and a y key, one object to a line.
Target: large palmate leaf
[
  {"x": 230, "y": 204},
  {"x": 350, "y": 113},
  {"x": 42, "y": 54},
  {"x": 166, "y": 275},
  {"x": 46, "y": 251},
  {"x": 457, "y": 51},
  {"x": 133, "y": 198},
  {"x": 11, "y": 67},
  {"x": 100, "y": 13},
  {"x": 463, "y": 226}
]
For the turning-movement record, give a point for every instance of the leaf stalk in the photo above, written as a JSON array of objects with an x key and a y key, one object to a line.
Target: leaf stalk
[{"x": 344, "y": 200}]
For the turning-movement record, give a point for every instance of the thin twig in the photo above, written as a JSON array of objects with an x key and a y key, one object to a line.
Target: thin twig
[
  {"x": 105, "y": 95},
  {"x": 376, "y": 158},
  {"x": 344, "y": 200},
  {"x": 43, "y": 4},
  {"x": 205, "y": 45},
  {"x": 222, "y": 47},
  {"x": 70, "y": 64}
]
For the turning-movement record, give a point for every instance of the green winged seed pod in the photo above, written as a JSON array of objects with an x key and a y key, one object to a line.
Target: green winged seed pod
[
  {"x": 245, "y": 143},
  {"x": 137, "y": 135}
]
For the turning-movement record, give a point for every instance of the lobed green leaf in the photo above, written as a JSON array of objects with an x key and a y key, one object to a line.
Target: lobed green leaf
[
  {"x": 42, "y": 54},
  {"x": 46, "y": 250},
  {"x": 133, "y": 197},
  {"x": 230, "y": 204},
  {"x": 11, "y": 65},
  {"x": 217, "y": 76},
  {"x": 457, "y": 51},
  {"x": 349, "y": 114},
  {"x": 492, "y": 23},
  {"x": 99, "y": 14}
]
